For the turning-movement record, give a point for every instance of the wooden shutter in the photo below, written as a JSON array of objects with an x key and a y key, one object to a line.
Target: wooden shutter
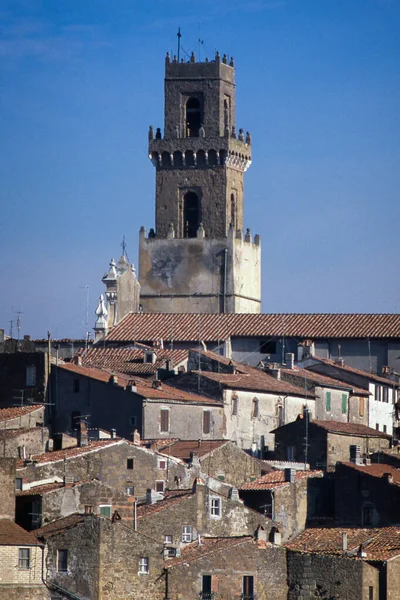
[
  {"x": 164, "y": 420},
  {"x": 206, "y": 421},
  {"x": 344, "y": 404},
  {"x": 328, "y": 401}
]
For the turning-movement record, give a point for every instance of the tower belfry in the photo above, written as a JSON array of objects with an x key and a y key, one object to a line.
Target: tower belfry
[{"x": 198, "y": 259}]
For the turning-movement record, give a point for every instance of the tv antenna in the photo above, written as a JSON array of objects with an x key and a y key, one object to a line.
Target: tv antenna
[
  {"x": 179, "y": 35},
  {"x": 124, "y": 251},
  {"x": 11, "y": 328},
  {"x": 18, "y": 313}
]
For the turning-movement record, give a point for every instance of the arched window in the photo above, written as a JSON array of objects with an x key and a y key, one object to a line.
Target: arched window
[
  {"x": 166, "y": 159},
  {"x": 201, "y": 158},
  {"x": 193, "y": 117},
  {"x": 191, "y": 214},
  {"x": 178, "y": 162},
  {"x": 212, "y": 158}
]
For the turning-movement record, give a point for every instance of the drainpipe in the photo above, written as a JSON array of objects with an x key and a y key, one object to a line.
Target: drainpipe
[
  {"x": 135, "y": 515},
  {"x": 225, "y": 277}
]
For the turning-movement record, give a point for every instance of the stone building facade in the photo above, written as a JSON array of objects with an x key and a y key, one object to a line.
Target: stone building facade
[{"x": 194, "y": 261}]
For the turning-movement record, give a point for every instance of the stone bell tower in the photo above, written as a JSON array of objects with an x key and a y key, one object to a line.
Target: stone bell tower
[{"x": 198, "y": 259}]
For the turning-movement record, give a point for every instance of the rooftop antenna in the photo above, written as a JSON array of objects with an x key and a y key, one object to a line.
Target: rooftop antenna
[
  {"x": 179, "y": 35},
  {"x": 18, "y": 313},
  {"x": 200, "y": 42},
  {"x": 11, "y": 328},
  {"x": 87, "y": 332}
]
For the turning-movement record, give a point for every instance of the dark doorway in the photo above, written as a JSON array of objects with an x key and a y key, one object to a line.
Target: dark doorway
[{"x": 248, "y": 587}]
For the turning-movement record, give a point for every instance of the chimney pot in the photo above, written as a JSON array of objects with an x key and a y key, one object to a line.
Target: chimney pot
[
  {"x": 290, "y": 475},
  {"x": 344, "y": 540},
  {"x": 290, "y": 360}
]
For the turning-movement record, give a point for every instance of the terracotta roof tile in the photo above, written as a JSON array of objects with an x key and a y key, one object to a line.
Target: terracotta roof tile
[
  {"x": 14, "y": 412},
  {"x": 144, "y": 386},
  {"x": 182, "y": 448},
  {"x": 355, "y": 429},
  {"x": 40, "y": 490},
  {"x": 12, "y": 534},
  {"x": 379, "y": 544},
  {"x": 94, "y": 446},
  {"x": 60, "y": 525},
  {"x": 276, "y": 479},
  {"x": 130, "y": 360},
  {"x": 211, "y": 327},
  {"x": 323, "y": 380},
  {"x": 378, "y": 470},
  {"x": 171, "y": 498},
  {"x": 209, "y": 545},
  {"x": 337, "y": 369}
]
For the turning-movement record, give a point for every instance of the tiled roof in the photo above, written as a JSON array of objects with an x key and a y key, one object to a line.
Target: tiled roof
[
  {"x": 377, "y": 470},
  {"x": 170, "y": 499},
  {"x": 378, "y": 544},
  {"x": 208, "y": 545},
  {"x": 40, "y": 490},
  {"x": 60, "y": 525},
  {"x": 338, "y": 370},
  {"x": 130, "y": 360},
  {"x": 211, "y": 327},
  {"x": 350, "y": 429},
  {"x": 276, "y": 479},
  {"x": 14, "y": 412},
  {"x": 12, "y": 534},
  {"x": 323, "y": 380},
  {"x": 254, "y": 380},
  {"x": 355, "y": 429},
  {"x": 66, "y": 453},
  {"x": 144, "y": 386},
  {"x": 182, "y": 448}
]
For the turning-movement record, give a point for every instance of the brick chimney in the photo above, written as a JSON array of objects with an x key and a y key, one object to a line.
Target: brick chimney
[
  {"x": 83, "y": 437},
  {"x": 290, "y": 475},
  {"x": 136, "y": 437},
  {"x": 289, "y": 360}
]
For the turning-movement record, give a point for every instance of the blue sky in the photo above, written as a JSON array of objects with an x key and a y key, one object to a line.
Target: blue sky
[{"x": 317, "y": 85}]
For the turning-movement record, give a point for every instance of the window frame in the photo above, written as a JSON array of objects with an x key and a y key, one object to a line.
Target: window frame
[
  {"x": 328, "y": 402},
  {"x": 24, "y": 558},
  {"x": 162, "y": 461},
  {"x": 30, "y": 376},
  {"x": 168, "y": 539},
  {"x": 144, "y": 565},
  {"x": 206, "y": 427},
  {"x": 130, "y": 461},
  {"x": 163, "y": 486},
  {"x": 19, "y": 484},
  {"x": 63, "y": 561},
  {"x": 128, "y": 491},
  {"x": 187, "y": 534},
  {"x": 215, "y": 507}
]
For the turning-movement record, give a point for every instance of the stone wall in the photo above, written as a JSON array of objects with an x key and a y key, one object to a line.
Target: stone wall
[
  {"x": 7, "y": 487},
  {"x": 34, "y": 441},
  {"x": 231, "y": 464},
  {"x": 266, "y": 564},
  {"x": 323, "y": 576},
  {"x": 109, "y": 465},
  {"x": 11, "y": 574},
  {"x": 338, "y": 446},
  {"x": 25, "y": 421}
]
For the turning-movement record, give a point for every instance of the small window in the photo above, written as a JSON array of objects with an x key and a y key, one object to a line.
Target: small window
[
  {"x": 385, "y": 394},
  {"x": 370, "y": 593},
  {"x": 291, "y": 453},
  {"x": 344, "y": 404},
  {"x": 377, "y": 426},
  {"x": 248, "y": 587},
  {"x": 328, "y": 401},
  {"x": 62, "y": 561},
  {"x": 206, "y": 421},
  {"x": 130, "y": 464},
  {"x": 187, "y": 534},
  {"x": 133, "y": 421},
  {"x": 105, "y": 510},
  {"x": 215, "y": 507},
  {"x": 168, "y": 539},
  {"x": 255, "y": 409},
  {"x": 24, "y": 558},
  {"x": 76, "y": 386},
  {"x": 162, "y": 464},
  {"x": 18, "y": 484},
  {"x": 130, "y": 490},
  {"x": 30, "y": 376},
  {"x": 160, "y": 485},
  {"x": 384, "y": 429},
  {"x": 367, "y": 514},
  {"x": 361, "y": 406},
  {"x": 164, "y": 418},
  {"x": 267, "y": 347},
  {"x": 234, "y": 404},
  {"x": 144, "y": 565},
  {"x": 378, "y": 393}
]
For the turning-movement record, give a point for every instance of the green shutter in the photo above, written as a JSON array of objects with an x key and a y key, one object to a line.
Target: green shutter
[
  {"x": 344, "y": 404},
  {"x": 328, "y": 401}
]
